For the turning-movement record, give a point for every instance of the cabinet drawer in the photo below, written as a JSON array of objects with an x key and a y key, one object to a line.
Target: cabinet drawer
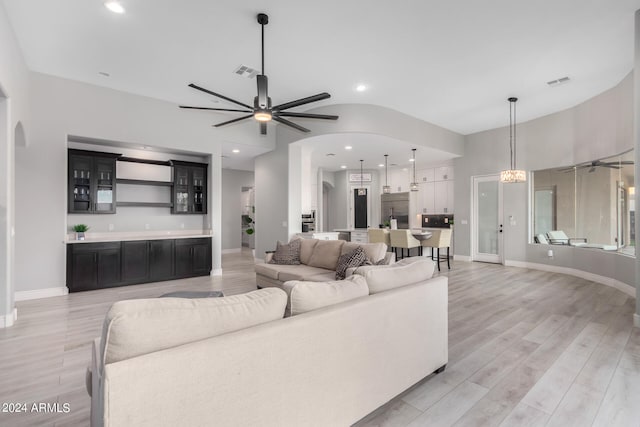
[
  {"x": 91, "y": 247},
  {"x": 194, "y": 241}
]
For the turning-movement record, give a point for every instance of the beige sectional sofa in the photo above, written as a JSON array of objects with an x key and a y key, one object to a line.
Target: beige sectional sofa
[
  {"x": 235, "y": 361},
  {"x": 318, "y": 260}
]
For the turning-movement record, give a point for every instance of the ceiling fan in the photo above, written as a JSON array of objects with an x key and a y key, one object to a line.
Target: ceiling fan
[
  {"x": 262, "y": 109},
  {"x": 598, "y": 163}
]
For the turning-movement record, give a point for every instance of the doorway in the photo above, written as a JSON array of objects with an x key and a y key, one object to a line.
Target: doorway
[
  {"x": 360, "y": 206},
  {"x": 247, "y": 206},
  {"x": 486, "y": 231}
]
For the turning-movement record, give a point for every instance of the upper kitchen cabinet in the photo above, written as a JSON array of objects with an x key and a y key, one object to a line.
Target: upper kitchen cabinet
[
  {"x": 91, "y": 182},
  {"x": 189, "y": 188},
  {"x": 444, "y": 173}
]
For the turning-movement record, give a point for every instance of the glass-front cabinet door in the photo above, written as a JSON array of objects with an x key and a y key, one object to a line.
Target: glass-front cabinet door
[
  {"x": 91, "y": 182},
  {"x": 181, "y": 189},
  {"x": 189, "y": 188}
]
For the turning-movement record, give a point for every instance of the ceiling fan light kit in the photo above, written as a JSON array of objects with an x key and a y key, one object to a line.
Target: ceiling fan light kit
[
  {"x": 512, "y": 175},
  {"x": 262, "y": 110}
]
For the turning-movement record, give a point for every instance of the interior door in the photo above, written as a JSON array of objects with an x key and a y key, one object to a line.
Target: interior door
[
  {"x": 487, "y": 219},
  {"x": 360, "y": 208}
]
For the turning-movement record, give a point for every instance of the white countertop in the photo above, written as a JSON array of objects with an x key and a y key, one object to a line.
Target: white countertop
[
  {"x": 349, "y": 230},
  {"x": 121, "y": 236}
]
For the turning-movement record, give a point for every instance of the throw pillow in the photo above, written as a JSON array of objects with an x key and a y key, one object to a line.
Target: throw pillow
[
  {"x": 308, "y": 296},
  {"x": 287, "y": 254},
  {"x": 355, "y": 258}
]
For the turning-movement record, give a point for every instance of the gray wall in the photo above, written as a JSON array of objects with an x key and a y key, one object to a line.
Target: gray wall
[
  {"x": 14, "y": 87},
  {"x": 597, "y": 128},
  {"x": 232, "y": 183}
]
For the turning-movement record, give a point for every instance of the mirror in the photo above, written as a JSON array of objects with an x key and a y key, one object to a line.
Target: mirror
[{"x": 589, "y": 205}]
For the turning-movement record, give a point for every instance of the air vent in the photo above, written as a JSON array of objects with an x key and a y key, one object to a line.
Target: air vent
[
  {"x": 245, "y": 71},
  {"x": 558, "y": 82}
]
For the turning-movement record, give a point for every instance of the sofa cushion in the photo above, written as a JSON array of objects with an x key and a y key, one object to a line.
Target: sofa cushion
[
  {"x": 325, "y": 254},
  {"x": 306, "y": 249},
  {"x": 269, "y": 270},
  {"x": 307, "y": 296},
  {"x": 135, "y": 327},
  {"x": 355, "y": 258},
  {"x": 385, "y": 278},
  {"x": 287, "y": 253},
  {"x": 324, "y": 277},
  {"x": 299, "y": 272},
  {"x": 375, "y": 251}
]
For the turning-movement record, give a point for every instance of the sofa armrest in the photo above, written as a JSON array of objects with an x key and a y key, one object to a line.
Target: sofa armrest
[
  {"x": 94, "y": 380},
  {"x": 390, "y": 258}
]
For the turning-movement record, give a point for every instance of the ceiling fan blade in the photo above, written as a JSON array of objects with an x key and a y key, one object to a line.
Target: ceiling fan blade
[
  {"x": 263, "y": 96},
  {"x": 302, "y": 101},
  {"x": 216, "y": 109},
  {"x": 605, "y": 165},
  {"x": 219, "y": 96},
  {"x": 263, "y": 128},
  {"x": 308, "y": 116},
  {"x": 233, "y": 121},
  {"x": 288, "y": 123}
]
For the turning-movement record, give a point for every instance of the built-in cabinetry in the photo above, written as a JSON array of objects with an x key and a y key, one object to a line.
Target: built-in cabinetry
[
  {"x": 107, "y": 264},
  {"x": 91, "y": 182},
  {"x": 189, "y": 188},
  {"x": 436, "y": 185}
]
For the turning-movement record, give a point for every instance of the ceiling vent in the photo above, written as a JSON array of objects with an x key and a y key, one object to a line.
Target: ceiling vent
[
  {"x": 558, "y": 82},
  {"x": 245, "y": 71}
]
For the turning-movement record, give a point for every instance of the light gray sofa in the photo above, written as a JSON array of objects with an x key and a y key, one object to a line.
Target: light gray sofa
[
  {"x": 234, "y": 361},
  {"x": 318, "y": 260}
]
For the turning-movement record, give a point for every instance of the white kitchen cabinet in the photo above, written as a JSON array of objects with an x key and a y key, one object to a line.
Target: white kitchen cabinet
[
  {"x": 443, "y": 197},
  {"x": 360, "y": 236},
  {"x": 444, "y": 173},
  {"x": 425, "y": 175},
  {"x": 426, "y": 199},
  {"x": 398, "y": 180}
]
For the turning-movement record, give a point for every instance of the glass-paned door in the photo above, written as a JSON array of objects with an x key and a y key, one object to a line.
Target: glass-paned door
[
  {"x": 487, "y": 216},
  {"x": 80, "y": 182}
]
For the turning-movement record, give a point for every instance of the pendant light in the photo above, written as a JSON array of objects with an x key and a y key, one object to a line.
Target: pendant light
[
  {"x": 361, "y": 191},
  {"x": 512, "y": 175},
  {"x": 386, "y": 188},
  {"x": 414, "y": 185}
]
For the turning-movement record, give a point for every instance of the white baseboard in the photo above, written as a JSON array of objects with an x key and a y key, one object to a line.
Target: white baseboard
[
  {"x": 462, "y": 258},
  {"x": 232, "y": 251},
  {"x": 8, "y": 320},
  {"x": 216, "y": 272},
  {"x": 636, "y": 320},
  {"x": 41, "y": 293},
  {"x": 608, "y": 281}
]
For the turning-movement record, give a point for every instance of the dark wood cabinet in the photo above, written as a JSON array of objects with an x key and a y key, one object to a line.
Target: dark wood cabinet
[
  {"x": 101, "y": 265},
  {"x": 193, "y": 257},
  {"x": 93, "y": 266},
  {"x": 135, "y": 261},
  {"x": 189, "y": 188},
  {"x": 161, "y": 259},
  {"x": 91, "y": 182}
]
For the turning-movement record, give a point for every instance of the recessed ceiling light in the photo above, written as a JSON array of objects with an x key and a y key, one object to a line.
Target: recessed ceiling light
[
  {"x": 412, "y": 160},
  {"x": 361, "y": 87},
  {"x": 343, "y": 167},
  {"x": 114, "y": 6},
  {"x": 348, "y": 147},
  {"x": 405, "y": 169},
  {"x": 235, "y": 150},
  {"x": 381, "y": 165}
]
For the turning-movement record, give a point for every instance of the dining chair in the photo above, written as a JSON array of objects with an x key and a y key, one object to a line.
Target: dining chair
[
  {"x": 439, "y": 239},
  {"x": 403, "y": 239},
  {"x": 380, "y": 235}
]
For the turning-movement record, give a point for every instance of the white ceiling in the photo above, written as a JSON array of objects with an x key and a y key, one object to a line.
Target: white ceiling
[{"x": 449, "y": 63}]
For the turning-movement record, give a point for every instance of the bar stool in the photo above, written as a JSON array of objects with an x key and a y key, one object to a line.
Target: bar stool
[
  {"x": 439, "y": 239},
  {"x": 380, "y": 235},
  {"x": 403, "y": 239}
]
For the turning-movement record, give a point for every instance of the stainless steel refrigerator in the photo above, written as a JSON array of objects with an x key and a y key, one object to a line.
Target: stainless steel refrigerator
[{"x": 399, "y": 206}]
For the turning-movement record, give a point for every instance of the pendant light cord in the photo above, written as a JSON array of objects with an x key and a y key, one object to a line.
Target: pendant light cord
[
  {"x": 386, "y": 184},
  {"x": 512, "y": 132},
  {"x": 262, "y": 49}
]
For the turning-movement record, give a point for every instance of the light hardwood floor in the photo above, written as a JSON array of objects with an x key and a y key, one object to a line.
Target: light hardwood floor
[{"x": 525, "y": 348}]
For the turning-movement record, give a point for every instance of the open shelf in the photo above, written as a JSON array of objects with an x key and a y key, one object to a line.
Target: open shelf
[
  {"x": 144, "y": 182},
  {"x": 144, "y": 204}
]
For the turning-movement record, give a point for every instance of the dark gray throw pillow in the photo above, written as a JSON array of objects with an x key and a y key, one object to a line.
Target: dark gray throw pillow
[
  {"x": 355, "y": 258},
  {"x": 287, "y": 253}
]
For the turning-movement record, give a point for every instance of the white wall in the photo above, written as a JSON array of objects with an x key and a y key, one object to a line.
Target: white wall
[
  {"x": 62, "y": 108},
  {"x": 232, "y": 183},
  {"x": 598, "y": 128},
  {"x": 14, "y": 126}
]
